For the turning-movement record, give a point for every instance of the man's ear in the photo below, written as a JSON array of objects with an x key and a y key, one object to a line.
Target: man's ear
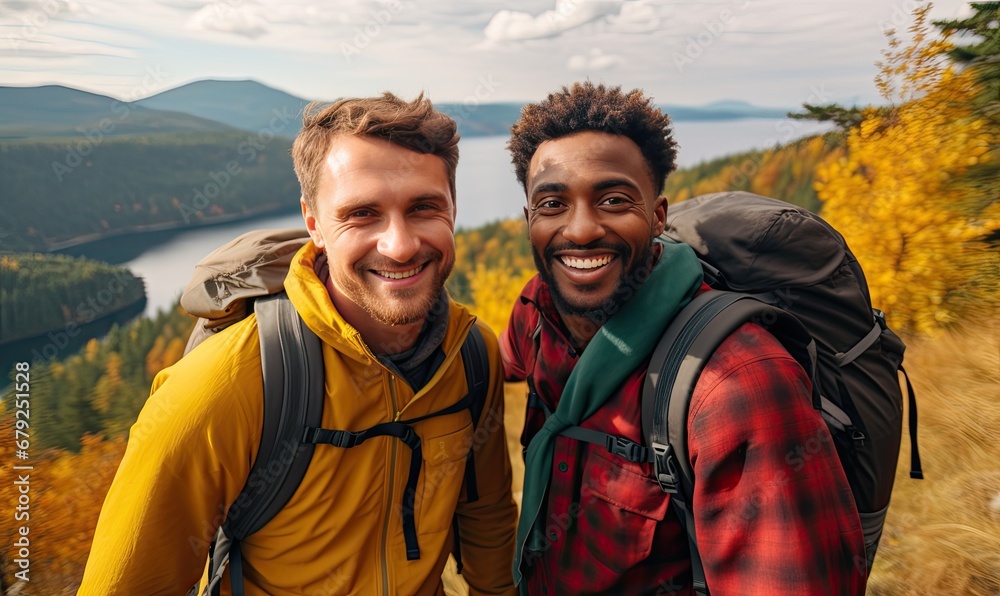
[
  {"x": 659, "y": 215},
  {"x": 527, "y": 219},
  {"x": 310, "y": 219}
]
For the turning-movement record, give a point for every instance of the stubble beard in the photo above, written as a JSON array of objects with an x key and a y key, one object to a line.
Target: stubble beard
[
  {"x": 399, "y": 307},
  {"x": 597, "y": 310}
]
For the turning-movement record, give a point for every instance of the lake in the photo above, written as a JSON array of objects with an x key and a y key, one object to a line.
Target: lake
[{"x": 487, "y": 191}]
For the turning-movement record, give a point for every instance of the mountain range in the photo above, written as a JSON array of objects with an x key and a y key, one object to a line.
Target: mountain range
[
  {"x": 77, "y": 166},
  {"x": 220, "y": 106}
]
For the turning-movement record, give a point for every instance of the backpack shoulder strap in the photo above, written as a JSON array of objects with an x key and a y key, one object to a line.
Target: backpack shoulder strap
[
  {"x": 292, "y": 364},
  {"x": 677, "y": 362},
  {"x": 476, "y": 360}
]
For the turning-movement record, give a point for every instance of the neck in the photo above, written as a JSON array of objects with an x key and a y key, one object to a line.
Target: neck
[
  {"x": 581, "y": 330},
  {"x": 380, "y": 338}
]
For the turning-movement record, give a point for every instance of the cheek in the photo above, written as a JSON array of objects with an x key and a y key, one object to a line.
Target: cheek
[
  {"x": 438, "y": 233},
  {"x": 540, "y": 233}
]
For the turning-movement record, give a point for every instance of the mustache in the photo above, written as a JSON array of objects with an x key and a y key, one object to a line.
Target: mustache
[{"x": 615, "y": 247}]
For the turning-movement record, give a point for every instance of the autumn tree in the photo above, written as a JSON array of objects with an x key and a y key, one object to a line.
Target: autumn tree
[
  {"x": 494, "y": 291},
  {"x": 893, "y": 195}
]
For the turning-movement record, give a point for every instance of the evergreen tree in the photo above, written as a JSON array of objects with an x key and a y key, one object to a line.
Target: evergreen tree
[{"x": 980, "y": 56}]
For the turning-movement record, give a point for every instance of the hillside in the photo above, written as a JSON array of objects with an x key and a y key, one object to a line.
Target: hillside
[
  {"x": 56, "y": 111},
  {"x": 786, "y": 172},
  {"x": 40, "y": 293},
  {"x": 54, "y": 197},
  {"x": 245, "y": 105}
]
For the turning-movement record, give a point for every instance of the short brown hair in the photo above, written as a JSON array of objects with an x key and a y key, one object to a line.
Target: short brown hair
[
  {"x": 415, "y": 125},
  {"x": 586, "y": 107}
]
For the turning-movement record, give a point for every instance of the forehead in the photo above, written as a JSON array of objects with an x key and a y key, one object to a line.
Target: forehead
[
  {"x": 369, "y": 163},
  {"x": 586, "y": 157}
]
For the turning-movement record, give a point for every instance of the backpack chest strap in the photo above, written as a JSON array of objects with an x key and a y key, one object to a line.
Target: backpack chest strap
[
  {"x": 402, "y": 430},
  {"x": 616, "y": 445},
  {"x": 405, "y": 433}
]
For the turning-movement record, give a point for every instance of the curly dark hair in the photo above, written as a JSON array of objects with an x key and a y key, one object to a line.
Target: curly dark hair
[{"x": 585, "y": 106}]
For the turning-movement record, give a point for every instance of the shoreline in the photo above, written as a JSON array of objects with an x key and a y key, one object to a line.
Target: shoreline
[
  {"x": 67, "y": 339},
  {"x": 246, "y": 215}
]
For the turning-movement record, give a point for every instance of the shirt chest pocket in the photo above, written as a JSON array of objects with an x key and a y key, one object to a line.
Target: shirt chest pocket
[
  {"x": 622, "y": 507},
  {"x": 444, "y": 448}
]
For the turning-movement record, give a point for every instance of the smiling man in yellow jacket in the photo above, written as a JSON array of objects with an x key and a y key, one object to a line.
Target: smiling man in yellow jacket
[{"x": 378, "y": 188}]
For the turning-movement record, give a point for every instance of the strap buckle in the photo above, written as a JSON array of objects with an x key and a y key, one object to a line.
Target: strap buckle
[
  {"x": 409, "y": 437},
  {"x": 346, "y": 439},
  {"x": 665, "y": 467},
  {"x": 626, "y": 448}
]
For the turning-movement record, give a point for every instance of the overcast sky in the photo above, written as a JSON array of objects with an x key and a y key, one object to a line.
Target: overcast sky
[{"x": 767, "y": 52}]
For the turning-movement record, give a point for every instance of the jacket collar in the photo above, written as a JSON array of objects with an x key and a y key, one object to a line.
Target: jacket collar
[{"x": 311, "y": 299}]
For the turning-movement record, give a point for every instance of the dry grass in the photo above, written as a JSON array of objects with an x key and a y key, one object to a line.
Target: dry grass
[{"x": 942, "y": 535}]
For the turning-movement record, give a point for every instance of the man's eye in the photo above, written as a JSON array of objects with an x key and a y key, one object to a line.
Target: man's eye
[
  {"x": 616, "y": 201},
  {"x": 548, "y": 206},
  {"x": 362, "y": 213}
]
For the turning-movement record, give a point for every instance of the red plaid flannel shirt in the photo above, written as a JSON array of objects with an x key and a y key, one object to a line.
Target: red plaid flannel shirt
[{"x": 774, "y": 513}]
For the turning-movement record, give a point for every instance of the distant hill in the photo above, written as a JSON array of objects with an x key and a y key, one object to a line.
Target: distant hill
[
  {"x": 215, "y": 106},
  {"x": 252, "y": 106},
  {"x": 246, "y": 105},
  {"x": 484, "y": 119},
  {"x": 57, "y": 111},
  {"x": 722, "y": 110}
]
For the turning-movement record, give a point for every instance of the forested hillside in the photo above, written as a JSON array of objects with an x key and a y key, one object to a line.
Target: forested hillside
[
  {"x": 58, "y": 191},
  {"x": 41, "y": 293},
  {"x": 101, "y": 390},
  {"x": 785, "y": 172}
]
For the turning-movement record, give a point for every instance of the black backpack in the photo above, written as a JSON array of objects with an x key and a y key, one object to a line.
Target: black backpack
[
  {"x": 785, "y": 269},
  {"x": 292, "y": 367}
]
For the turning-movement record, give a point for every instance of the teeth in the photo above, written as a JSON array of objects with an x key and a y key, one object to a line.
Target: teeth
[
  {"x": 576, "y": 263},
  {"x": 400, "y": 274}
]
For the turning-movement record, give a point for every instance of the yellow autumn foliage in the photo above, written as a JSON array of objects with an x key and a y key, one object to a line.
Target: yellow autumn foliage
[
  {"x": 494, "y": 291},
  {"x": 895, "y": 194}
]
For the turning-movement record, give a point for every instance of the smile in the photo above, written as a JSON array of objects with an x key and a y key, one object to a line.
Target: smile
[
  {"x": 400, "y": 274},
  {"x": 594, "y": 263}
]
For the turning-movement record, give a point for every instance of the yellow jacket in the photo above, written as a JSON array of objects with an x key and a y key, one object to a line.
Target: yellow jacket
[{"x": 191, "y": 449}]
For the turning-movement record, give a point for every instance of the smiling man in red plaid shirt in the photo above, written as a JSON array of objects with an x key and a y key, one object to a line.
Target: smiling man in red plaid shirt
[{"x": 770, "y": 517}]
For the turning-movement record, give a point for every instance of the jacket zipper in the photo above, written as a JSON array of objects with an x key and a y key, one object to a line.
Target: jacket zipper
[{"x": 392, "y": 479}]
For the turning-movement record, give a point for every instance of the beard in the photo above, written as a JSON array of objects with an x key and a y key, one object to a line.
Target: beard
[
  {"x": 597, "y": 309},
  {"x": 396, "y": 307}
]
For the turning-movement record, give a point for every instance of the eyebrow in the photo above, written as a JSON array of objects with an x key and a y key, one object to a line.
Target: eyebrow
[
  {"x": 369, "y": 204},
  {"x": 549, "y": 187},
  {"x": 602, "y": 185},
  {"x": 430, "y": 196},
  {"x": 612, "y": 183}
]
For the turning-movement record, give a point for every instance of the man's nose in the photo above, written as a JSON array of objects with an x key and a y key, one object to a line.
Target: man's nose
[
  {"x": 584, "y": 226},
  {"x": 398, "y": 240}
]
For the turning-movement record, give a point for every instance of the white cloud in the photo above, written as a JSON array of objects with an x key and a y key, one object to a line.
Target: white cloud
[
  {"x": 508, "y": 25},
  {"x": 594, "y": 61},
  {"x": 636, "y": 17},
  {"x": 220, "y": 17}
]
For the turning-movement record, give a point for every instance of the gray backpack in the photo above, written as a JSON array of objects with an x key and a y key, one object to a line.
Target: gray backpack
[{"x": 247, "y": 274}]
